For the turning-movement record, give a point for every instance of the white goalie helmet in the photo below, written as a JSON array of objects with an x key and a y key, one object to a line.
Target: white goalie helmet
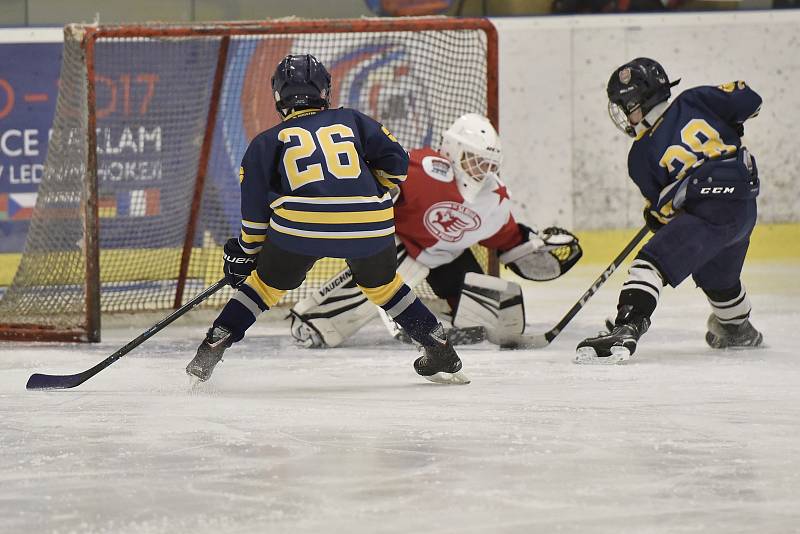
[{"x": 473, "y": 147}]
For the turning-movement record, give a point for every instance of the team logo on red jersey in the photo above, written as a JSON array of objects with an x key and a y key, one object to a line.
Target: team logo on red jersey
[{"x": 449, "y": 220}]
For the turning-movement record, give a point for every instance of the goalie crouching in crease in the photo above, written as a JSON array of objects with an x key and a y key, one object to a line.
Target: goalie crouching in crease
[
  {"x": 452, "y": 199},
  {"x": 317, "y": 185}
]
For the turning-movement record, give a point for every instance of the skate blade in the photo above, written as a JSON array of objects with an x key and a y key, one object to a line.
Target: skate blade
[
  {"x": 196, "y": 378},
  {"x": 588, "y": 356},
  {"x": 457, "y": 378},
  {"x": 195, "y": 384}
]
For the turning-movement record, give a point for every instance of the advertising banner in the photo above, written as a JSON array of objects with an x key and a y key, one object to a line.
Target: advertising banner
[
  {"x": 149, "y": 109},
  {"x": 28, "y": 90}
]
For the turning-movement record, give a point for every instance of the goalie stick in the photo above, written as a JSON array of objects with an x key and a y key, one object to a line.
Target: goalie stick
[
  {"x": 43, "y": 381},
  {"x": 538, "y": 341}
]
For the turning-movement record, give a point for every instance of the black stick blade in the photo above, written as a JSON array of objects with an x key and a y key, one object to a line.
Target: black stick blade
[
  {"x": 40, "y": 381},
  {"x": 529, "y": 341}
]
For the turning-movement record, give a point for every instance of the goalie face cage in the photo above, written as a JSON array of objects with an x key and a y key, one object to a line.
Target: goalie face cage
[{"x": 138, "y": 221}]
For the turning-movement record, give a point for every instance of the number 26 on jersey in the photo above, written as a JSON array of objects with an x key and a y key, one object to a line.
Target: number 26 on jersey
[{"x": 341, "y": 158}]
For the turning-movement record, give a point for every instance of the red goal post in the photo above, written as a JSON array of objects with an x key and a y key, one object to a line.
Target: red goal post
[{"x": 137, "y": 222}]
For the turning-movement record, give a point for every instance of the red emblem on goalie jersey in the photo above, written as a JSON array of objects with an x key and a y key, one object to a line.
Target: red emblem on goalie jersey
[{"x": 449, "y": 220}]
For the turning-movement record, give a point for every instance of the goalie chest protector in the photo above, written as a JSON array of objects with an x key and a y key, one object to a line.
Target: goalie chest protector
[{"x": 433, "y": 220}]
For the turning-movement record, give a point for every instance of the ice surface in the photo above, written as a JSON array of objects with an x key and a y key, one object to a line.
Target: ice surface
[{"x": 681, "y": 439}]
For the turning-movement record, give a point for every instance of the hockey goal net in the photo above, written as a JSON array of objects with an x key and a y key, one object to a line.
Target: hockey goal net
[{"x": 140, "y": 188}]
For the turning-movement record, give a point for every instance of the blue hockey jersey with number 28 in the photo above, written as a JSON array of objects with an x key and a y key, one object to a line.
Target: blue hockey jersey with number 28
[
  {"x": 699, "y": 125},
  {"x": 317, "y": 184}
]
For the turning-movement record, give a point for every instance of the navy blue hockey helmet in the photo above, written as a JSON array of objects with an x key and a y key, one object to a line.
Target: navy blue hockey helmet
[
  {"x": 301, "y": 82},
  {"x": 636, "y": 86}
]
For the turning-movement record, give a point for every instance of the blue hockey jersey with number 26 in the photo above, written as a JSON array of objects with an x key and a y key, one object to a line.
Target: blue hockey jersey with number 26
[{"x": 317, "y": 184}]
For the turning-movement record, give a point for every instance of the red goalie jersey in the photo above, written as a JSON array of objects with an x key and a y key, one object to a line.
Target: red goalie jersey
[{"x": 436, "y": 224}]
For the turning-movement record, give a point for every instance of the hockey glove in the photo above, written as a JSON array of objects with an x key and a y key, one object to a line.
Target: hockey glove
[
  {"x": 238, "y": 263},
  {"x": 651, "y": 220},
  {"x": 543, "y": 255}
]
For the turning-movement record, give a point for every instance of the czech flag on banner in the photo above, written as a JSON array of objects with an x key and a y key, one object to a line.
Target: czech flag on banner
[{"x": 17, "y": 206}]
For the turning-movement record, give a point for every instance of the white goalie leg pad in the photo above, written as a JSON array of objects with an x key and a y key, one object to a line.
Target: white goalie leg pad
[
  {"x": 493, "y": 303},
  {"x": 334, "y": 312}
]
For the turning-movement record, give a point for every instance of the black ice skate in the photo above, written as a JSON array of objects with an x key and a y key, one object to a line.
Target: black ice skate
[
  {"x": 724, "y": 336},
  {"x": 440, "y": 363},
  {"x": 209, "y": 353},
  {"x": 617, "y": 345}
]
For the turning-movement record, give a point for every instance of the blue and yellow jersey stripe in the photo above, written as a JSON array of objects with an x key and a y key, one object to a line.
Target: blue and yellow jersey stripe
[
  {"x": 351, "y": 217},
  {"x": 334, "y": 217},
  {"x": 342, "y": 231},
  {"x": 368, "y": 202},
  {"x": 252, "y": 236}
]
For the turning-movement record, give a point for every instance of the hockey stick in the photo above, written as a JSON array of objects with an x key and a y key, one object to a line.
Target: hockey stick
[
  {"x": 538, "y": 341},
  {"x": 42, "y": 381}
]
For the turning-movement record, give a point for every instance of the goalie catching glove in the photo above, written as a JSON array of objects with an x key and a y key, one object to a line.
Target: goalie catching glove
[{"x": 544, "y": 255}]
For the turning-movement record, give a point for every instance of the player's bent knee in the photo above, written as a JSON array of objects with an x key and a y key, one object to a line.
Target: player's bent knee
[{"x": 382, "y": 294}]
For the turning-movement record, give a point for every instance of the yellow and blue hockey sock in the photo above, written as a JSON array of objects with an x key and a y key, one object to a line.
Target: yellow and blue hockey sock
[
  {"x": 402, "y": 305},
  {"x": 242, "y": 310}
]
